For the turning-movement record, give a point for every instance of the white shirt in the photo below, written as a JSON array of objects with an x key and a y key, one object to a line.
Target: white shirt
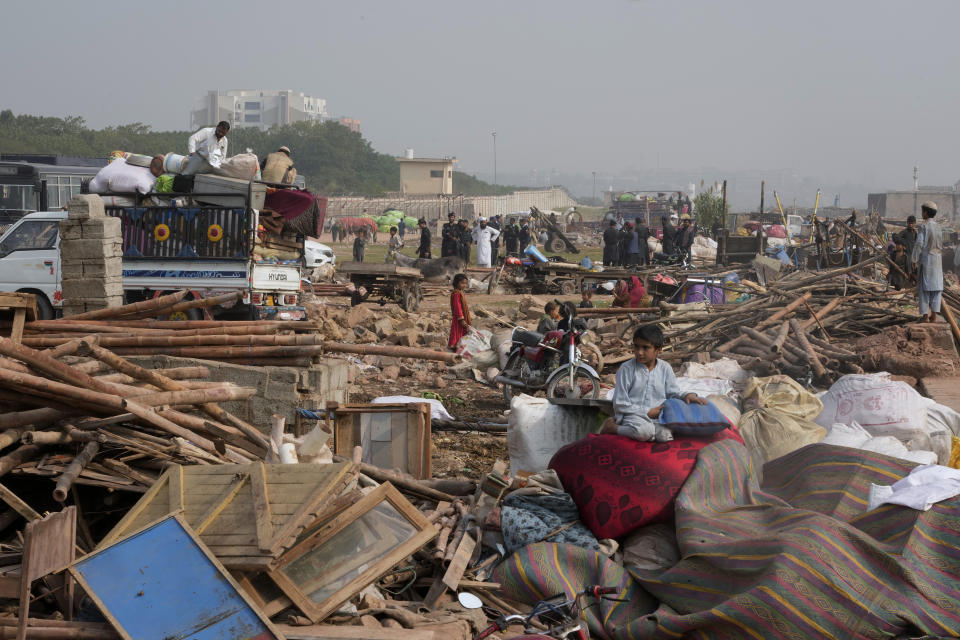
[
  {"x": 205, "y": 144},
  {"x": 639, "y": 389},
  {"x": 483, "y": 236}
]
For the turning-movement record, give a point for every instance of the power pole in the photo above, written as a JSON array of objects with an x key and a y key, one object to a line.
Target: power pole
[
  {"x": 494, "y": 134},
  {"x": 594, "y": 187}
]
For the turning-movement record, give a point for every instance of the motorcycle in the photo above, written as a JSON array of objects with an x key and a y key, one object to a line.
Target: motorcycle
[
  {"x": 552, "y": 361},
  {"x": 677, "y": 258}
]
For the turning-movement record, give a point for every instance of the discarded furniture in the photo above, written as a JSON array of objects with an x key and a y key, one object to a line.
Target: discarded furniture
[
  {"x": 245, "y": 514},
  {"x": 393, "y": 436},
  {"x": 334, "y": 561},
  {"x": 48, "y": 546},
  {"x": 24, "y": 307},
  {"x": 162, "y": 582}
]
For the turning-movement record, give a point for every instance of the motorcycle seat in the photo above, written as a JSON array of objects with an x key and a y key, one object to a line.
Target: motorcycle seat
[{"x": 527, "y": 338}]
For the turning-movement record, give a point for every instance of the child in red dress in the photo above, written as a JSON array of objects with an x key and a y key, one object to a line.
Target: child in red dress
[{"x": 460, "y": 322}]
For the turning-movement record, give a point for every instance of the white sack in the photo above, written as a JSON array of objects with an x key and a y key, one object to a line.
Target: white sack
[
  {"x": 120, "y": 177},
  {"x": 537, "y": 429},
  {"x": 880, "y": 405}
]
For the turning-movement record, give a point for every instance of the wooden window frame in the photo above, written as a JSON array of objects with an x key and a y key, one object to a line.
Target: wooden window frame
[{"x": 386, "y": 492}]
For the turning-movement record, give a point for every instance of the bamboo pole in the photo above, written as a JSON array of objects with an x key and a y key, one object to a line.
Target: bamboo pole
[
  {"x": 814, "y": 359},
  {"x": 17, "y": 457},
  {"x": 115, "y": 342},
  {"x": 68, "y": 477},
  {"x": 783, "y": 313},
  {"x": 195, "y": 396},
  {"x": 416, "y": 353},
  {"x": 163, "y": 382},
  {"x": 137, "y": 307},
  {"x": 196, "y": 303},
  {"x": 781, "y": 337},
  {"x": 106, "y": 402}
]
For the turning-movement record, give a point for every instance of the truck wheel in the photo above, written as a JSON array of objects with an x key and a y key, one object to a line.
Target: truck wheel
[
  {"x": 44, "y": 308},
  {"x": 556, "y": 245}
]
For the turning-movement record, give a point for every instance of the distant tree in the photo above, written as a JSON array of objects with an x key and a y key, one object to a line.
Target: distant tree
[
  {"x": 333, "y": 159},
  {"x": 707, "y": 208}
]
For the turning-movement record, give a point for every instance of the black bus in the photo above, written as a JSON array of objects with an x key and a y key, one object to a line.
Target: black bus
[{"x": 31, "y": 182}]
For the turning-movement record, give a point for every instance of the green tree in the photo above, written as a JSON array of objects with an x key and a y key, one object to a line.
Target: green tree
[{"x": 708, "y": 208}]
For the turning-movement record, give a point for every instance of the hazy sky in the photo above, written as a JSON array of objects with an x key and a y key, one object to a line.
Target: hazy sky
[{"x": 838, "y": 90}]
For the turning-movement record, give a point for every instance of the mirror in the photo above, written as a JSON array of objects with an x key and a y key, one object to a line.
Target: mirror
[{"x": 469, "y": 601}]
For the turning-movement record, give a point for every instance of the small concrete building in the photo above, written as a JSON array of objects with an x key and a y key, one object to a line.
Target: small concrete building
[
  {"x": 426, "y": 176},
  {"x": 897, "y": 205}
]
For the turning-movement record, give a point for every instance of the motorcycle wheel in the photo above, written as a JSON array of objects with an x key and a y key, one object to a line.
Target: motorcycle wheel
[
  {"x": 513, "y": 363},
  {"x": 560, "y": 386}
]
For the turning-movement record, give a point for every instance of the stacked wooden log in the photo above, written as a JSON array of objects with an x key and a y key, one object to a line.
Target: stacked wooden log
[{"x": 127, "y": 331}]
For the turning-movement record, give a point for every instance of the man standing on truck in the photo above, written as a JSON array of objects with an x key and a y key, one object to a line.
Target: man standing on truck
[
  {"x": 208, "y": 148},
  {"x": 278, "y": 167}
]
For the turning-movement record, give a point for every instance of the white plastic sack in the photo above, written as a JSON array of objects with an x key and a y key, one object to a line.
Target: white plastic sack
[
  {"x": 882, "y": 406},
  {"x": 437, "y": 410},
  {"x": 243, "y": 166},
  {"x": 473, "y": 343},
  {"x": 723, "y": 368},
  {"x": 501, "y": 343},
  {"x": 706, "y": 386},
  {"x": 120, "y": 177},
  {"x": 537, "y": 429},
  {"x": 856, "y": 437}
]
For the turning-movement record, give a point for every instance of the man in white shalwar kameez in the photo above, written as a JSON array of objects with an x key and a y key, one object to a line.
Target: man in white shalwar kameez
[
  {"x": 483, "y": 236},
  {"x": 927, "y": 255}
]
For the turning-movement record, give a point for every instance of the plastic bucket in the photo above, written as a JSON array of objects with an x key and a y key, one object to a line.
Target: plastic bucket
[
  {"x": 534, "y": 253},
  {"x": 173, "y": 162}
]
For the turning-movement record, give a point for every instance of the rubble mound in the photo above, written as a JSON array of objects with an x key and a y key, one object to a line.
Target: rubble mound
[{"x": 916, "y": 350}]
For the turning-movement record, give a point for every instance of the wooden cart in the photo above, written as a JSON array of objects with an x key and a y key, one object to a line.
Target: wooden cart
[{"x": 387, "y": 281}]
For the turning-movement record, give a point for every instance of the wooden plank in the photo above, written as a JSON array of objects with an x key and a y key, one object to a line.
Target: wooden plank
[
  {"x": 261, "y": 507},
  {"x": 226, "y": 496},
  {"x": 16, "y": 331},
  {"x": 176, "y": 489},
  {"x": 48, "y": 546},
  {"x": 14, "y": 502},
  {"x": 343, "y": 632},
  {"x": 334, "y": 484},
  {"x": 454, "y": 572},
  {"x": 945, "y": 390}
]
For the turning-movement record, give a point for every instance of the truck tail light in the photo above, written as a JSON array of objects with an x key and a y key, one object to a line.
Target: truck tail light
[
  {"x": 256, "y": 298},
  {"x": 290, "y": 299}
]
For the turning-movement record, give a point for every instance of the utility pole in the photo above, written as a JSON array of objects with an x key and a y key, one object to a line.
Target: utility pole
[
  {"x": 494, "y": 134},
  {"x": 916, "y": 188},
  {"x": 594, "y": 187}
]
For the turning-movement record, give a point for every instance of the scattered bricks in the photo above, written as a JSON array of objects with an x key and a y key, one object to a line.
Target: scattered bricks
[
  {"x": 359, "y": 315},
  {"x": 439, "y": 382},
  {"x": 388, "y": 361},
  {"x": 383, "y": 327},
  {"x": 390, "y": 373},
  {"x": 85, "y": 207},
  {"x": 409, "y": 338},
  {"x": 406, "y": 371}
]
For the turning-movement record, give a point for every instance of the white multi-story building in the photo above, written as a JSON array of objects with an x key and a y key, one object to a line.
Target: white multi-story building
[{"x": 256, "y": 108}]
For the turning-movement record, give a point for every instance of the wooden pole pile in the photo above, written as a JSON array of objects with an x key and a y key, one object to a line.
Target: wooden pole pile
[{"x": 113, "y": 424}]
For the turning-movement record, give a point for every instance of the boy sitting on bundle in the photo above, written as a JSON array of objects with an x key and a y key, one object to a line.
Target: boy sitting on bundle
[{"x": 644, "y": 383}]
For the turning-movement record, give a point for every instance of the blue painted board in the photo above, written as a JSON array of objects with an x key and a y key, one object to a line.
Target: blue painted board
[{"x": 160, "y": 585}]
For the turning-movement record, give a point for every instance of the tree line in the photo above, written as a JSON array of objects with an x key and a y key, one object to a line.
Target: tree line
[{"x": 333, "y": 159}]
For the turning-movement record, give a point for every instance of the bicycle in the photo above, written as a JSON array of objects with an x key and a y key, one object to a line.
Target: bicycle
[{"x": 560, "y": 616}]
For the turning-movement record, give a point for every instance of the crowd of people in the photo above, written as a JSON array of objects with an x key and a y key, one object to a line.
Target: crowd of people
[{"x": 625, "y": 243}]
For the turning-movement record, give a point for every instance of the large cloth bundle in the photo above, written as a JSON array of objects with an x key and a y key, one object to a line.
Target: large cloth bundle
[{"x": 620, "y": 484}]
